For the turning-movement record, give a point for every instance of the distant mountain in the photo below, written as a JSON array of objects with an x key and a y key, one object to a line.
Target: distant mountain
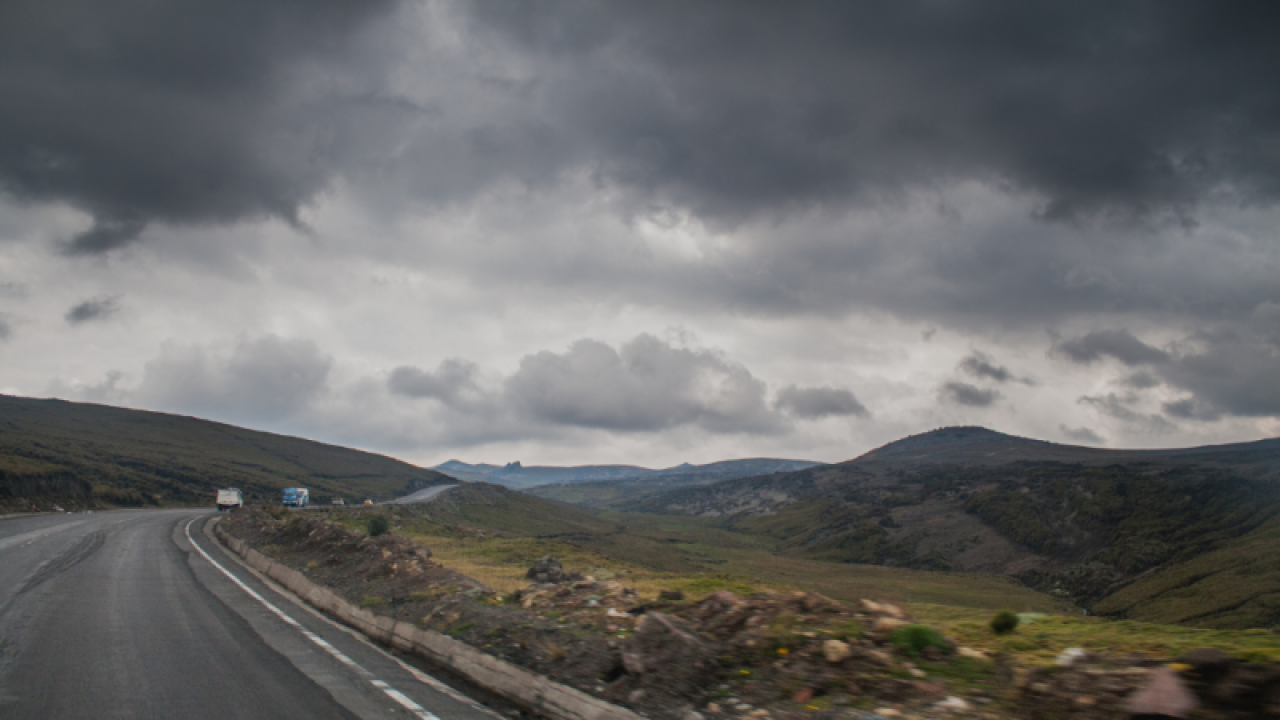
[
  {"x": 83, "y": 455},
  {"x": 615, "y": 492},
  {"x": 1080, "y": 522},
  {"x": 516, "y": 475}
]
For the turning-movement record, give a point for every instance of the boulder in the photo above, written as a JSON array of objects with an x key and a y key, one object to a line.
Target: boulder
[
  {"x": 546, "y": 570},
  {"x": 665, "y": 652}
]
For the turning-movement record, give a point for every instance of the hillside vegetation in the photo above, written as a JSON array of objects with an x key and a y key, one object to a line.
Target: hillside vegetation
[
  {"x": 494, "y": 535},
  {"x": 1079, "y": 523},
  {"x": 80, "y": 454}
]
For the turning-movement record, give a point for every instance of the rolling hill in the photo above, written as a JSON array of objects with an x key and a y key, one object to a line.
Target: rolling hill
[
  {"x": 1082, "y": 523},
  {"x": 84, "y": 455}
]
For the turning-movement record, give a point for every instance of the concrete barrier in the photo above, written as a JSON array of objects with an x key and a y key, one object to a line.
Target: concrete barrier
[{"x": 523, "y": 687}]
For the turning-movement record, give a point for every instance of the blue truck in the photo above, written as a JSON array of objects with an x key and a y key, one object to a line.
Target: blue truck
[{"x": 296, "y": 497}]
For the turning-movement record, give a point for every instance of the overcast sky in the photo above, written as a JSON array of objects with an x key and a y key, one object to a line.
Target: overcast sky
[{"x": 647, "y": 232}]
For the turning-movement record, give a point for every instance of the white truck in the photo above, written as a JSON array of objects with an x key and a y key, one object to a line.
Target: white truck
[{"x": 230, "y": 498}]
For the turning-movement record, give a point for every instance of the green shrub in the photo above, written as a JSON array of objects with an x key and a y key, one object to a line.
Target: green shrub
[
  {"x": 913, "y": 639},
  {"x": 1004, "y": 623},
  {"x": 379, "y": 525}
]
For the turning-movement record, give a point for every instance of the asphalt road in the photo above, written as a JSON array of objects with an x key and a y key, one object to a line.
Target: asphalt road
[
  {"x": 117, "y": 615},
  {"x": 425, "y": 495}
]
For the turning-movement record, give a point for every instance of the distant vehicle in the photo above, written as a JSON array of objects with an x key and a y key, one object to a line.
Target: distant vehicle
[
  {"x": 230, "y": 498},
  {"x": 339, "y": 501},
  {"x": 368, "y": 502},
  {"x": 297, "y": 497}
]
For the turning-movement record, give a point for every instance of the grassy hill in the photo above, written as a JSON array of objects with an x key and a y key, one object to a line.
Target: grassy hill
[
  {"x": 1080, "y": 523},
  {"x": 81, "y": 454},
  {"x": 494, "y": 534}
]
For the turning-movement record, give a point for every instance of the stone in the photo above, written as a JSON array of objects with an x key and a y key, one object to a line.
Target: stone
[
  {"x": 803, "y": 696},
  {"x": 917, "y": 673},
  {"x": 1163, "y": 695},
  {"x": 971, "y": 653},
  {"x": 693, "y": 714},
  {"x": 836, "y": 651},
  {"x": 888, "y": 712},
  {"x": 885, "y": 626},
  {"x": 1071, "y": 656},
  {"x": 880, "y": 657},
  {"x": 671, "y": 595},
  {"x": 953, "y": 703}
]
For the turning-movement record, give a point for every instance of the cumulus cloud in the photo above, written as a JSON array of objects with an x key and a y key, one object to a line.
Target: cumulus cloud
[
  {"x": 646, "y": 385},
  {"x": 262, "y": 379},
  {"x": 1082, "y": 435},
  {"x": 814, "y": 403},
  {"x": 92, "y": 310},
  {"x": 962, "y": 393},
  {"x": 450, "y": 383},
  {"x": 1118, "y": 344}
]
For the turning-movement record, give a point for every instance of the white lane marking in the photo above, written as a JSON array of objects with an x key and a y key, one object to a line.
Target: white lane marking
[
  {"x": 394, "y": 694},
  {"x": 420, "y": 676}
]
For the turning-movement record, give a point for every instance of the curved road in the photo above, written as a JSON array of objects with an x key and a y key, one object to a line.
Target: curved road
[{"x": 117, "y": 615}]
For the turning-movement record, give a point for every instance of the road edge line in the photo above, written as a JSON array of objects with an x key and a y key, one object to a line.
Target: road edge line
[{"x": 406, "y": 702}]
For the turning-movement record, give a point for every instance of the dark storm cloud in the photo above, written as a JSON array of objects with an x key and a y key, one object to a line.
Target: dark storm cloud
[
  {"x": 1140, "y": 380},
  {"x": 814, "y": 403},
  {"x": 966, "y": 394},
  {"x": 1118, "y": 344},
  {"x": 1082, "y": 435},
  {"x": 1231, "y": 368},
  {"x": 1236, "y": 372},
  {"x": 187, "y": 112},
  {"x": 261, "y": 379},
  {"x": 646, "y": 385},
  {"x": 196, "y": 111},
  {"x": 983, "y": 366},
  {"x": 92, "y": 309},
  {"x": 1120, "y": 408},
  {"x": 733, "y": 108}
]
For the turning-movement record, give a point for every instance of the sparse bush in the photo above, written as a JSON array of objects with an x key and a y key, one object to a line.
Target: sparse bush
[
  {"x": 1004, "y": 623},
  {"x": 378, "y": 525},
  {"x": 913, "y": 639}
]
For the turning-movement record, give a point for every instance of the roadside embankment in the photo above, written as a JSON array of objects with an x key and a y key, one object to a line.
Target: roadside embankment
[
  {"x": 514, "y": 683},
  {"x": 570, "y": 646}
]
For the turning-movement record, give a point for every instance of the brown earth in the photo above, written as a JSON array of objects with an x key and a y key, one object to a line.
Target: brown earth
[{"x": 770, "y": 655}]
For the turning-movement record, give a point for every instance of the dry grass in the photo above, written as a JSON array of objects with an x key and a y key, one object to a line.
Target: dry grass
[{"x": 1042, "y": 640}]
